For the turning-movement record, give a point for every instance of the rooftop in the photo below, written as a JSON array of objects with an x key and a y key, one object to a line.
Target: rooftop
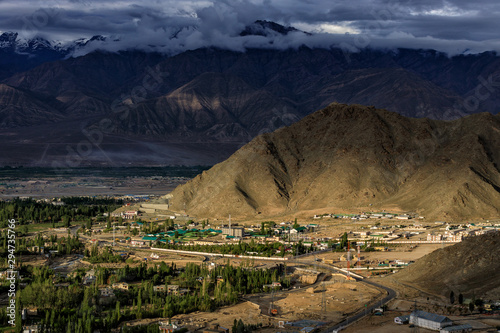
[
  {"x": 430, "y": 316},
  {"x": 457, "y": 328}
]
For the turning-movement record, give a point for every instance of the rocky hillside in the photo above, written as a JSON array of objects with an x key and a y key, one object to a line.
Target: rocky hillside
[
  {"x": 470, "y": 267},
  {"x": 350, "y": 157},
  {"x": 213, "y": 106},
  {"x": 21, "y": 108},
  {"x": 214, "y": 96}
]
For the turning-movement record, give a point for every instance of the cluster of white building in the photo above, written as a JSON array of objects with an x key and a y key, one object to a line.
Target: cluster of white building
[
  {"x": 127, "y": 215},
  {"x": 366, "y": 216},
  {"x": 457, "y": 235}
]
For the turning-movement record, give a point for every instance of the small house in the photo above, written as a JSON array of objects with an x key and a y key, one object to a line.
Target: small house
[
  {"x": 120, "y": 285},
  {"x": 89, "y": 277},
  {"x": 402, "y": 320},
  {"x": 214, "y": 328},
  {"x": 159, "y": 289},
  {"x": 183, "y": 291},
  {"x": 137, "y": 242},
  {"x": 106, "y": 292},
  {"x": 172, "y": 288},
  {"x": 169, "y": 328},
  {"x": 32, "y": 329}
]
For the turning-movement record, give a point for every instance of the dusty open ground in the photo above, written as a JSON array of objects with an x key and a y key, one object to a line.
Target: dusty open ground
[
  {"x": 385, "y": 323},
  {"x": 82, "y": 186},
  {"x": 381, "y": 324},
  {"x": 407, "y": 297},
  {"x": 402, "y": 252},
  {"x": 341, "y": 298}
]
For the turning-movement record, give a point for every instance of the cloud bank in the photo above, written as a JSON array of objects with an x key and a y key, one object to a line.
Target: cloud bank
[{"x": 452, "y": 26}]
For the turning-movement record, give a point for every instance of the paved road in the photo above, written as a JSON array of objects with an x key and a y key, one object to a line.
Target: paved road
[
  {"x": 74, "y": 230},
  {"x": 304, "y": 260},
  {"x": 362, "y": 313},
  {"x": 390, "y": 295},
  {"x": 68, "y": 264}
]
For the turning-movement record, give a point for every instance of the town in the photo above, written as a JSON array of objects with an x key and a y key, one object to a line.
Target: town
[{"x": 133, "y": 265}]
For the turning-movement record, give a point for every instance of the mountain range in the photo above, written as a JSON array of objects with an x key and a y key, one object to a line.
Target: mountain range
[
  {"x": 353, "y": 158},
  {"x": 200, "y": 106}
]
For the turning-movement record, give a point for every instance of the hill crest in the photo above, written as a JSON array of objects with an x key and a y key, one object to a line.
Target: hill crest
[
  {"x": 352, "y": 157},
  {"x": 469, "y": 267}
]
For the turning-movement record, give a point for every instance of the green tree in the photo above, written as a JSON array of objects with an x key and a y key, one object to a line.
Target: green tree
[
  {"x": 343, "y": 240},
  {"x": 65, "y": 220},
  {"x": 139, "y": 305},
  {"x": 240, "y": 327},
  {"x": 117, "y": 311},
  {"x": 235, "y": 325},
  {"x": 168, "y": 310}
]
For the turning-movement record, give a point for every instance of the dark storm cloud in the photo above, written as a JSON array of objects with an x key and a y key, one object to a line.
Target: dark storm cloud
[{"x": 451, "y": 26}]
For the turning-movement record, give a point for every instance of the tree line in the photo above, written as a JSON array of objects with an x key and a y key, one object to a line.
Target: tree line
[
  {"x": 267, "y": 249},
  {"x": 74, "y": 209},
  {"x": 81, "y": 309},
  {"x": 63, "y": 245}
]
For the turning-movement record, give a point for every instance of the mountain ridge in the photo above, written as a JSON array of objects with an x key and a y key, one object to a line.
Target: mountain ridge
[
  {"x": 354, "y": 157},
  {"x": 275, "y": 88}
]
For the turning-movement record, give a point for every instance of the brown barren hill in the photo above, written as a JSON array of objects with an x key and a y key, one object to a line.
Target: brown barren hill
[
  {"x": 470, "y": 267},
  {"x": 350, "y": 157}
]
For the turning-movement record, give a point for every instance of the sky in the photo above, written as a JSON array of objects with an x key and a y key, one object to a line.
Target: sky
[{"x": 452, "y": 26}]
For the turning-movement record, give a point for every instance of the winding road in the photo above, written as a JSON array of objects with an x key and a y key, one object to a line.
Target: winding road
[
  {"x": 355, "y": 317},
  {"x": 391, "y": 294}
]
